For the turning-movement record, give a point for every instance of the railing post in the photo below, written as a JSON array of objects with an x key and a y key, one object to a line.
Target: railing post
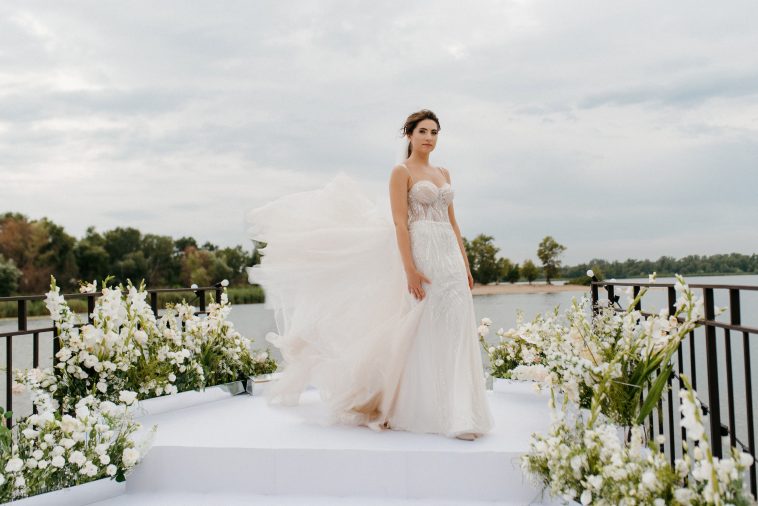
[
  {"x": 714, "y": 404},
  {"x": 201, "y": 297},
  {"x": 90, "y": 307},
  {"x": 595, "y": 295},
  {"x": 154, "y": 303}
]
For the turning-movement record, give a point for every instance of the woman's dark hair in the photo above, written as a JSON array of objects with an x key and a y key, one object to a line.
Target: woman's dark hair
[{"x": 413, "y": 120}]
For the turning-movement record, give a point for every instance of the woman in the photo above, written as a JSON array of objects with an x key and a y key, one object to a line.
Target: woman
[{"x": 377, "y": 315}]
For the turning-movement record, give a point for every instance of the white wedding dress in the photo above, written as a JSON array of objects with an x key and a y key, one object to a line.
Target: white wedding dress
[{"x": 348, "y": 326}]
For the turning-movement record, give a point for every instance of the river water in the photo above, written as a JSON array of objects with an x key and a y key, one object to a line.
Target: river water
[{"x": 254, "y": 321}]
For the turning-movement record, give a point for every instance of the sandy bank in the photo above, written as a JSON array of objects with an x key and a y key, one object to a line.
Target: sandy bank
[{"x": 533, "y": 288}]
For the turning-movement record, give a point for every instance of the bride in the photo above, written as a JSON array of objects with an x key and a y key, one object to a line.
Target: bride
[{"x": 376, "y": 313}]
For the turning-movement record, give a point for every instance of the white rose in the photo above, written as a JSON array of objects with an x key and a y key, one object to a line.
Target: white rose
[
  {"x": 127, "y": 397},
  {"x": 20, "y": 482},
  {"x": 224, "y": 282},
  {"x": 38, "y": 454},
  {"x": 491, "y": 349},
  {"x": 58, "y": 461},
  {"x": 42, "y": 464},
  {"x": 172, "y": 377},
  {"x": 590, "y": 273},
  {"x": 499, "y": 362},
  {"x": 111, "y": 470},
  {"x": 105, "y": 459}
]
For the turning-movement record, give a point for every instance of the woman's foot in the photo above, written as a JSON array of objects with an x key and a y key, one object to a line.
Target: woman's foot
[{"x": 467, "y": 436}]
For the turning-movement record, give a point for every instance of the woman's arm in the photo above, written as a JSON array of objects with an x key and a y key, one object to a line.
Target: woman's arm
[
  {"x": 399, "y": 205},
  {"x": 451, "y": 217}
]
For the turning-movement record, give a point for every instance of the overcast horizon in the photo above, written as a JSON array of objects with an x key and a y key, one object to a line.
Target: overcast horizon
[{"x": 622, "y": 130}]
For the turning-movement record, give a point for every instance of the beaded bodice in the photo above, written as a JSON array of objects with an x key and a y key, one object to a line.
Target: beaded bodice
[{"x": 429, "y": 202}]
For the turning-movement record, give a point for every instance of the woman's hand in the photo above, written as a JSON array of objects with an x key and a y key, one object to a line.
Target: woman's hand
[
  {"x": 415, "y": 278},
  {"x": 470, "y": 280}
]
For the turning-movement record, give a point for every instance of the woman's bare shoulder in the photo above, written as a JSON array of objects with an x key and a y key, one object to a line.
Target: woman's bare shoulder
[
  {"x": 446, "y": 172},
  {"x": 399, "y": 171}
]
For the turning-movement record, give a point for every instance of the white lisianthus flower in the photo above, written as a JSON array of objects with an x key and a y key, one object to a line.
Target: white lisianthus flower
[
  {"x": 491, "y": 349},
  {"x": 58, "y": 461},
  {"x": 20, "y": 482},
  {"x": 14, "y": 465},
  {"x": 30, "y": 433},
  {"x": 127, "y": 397},
  {"x": 111, "y": 470},
  {"x": 89, "y": 469},
  {"x": 224, "y": 282},
  {"x": 483, "y": 330},
  {"x": 77, "y": 458},
  {"x": 499, "y": 362},
  {"x": 130, "y": 457},
  {"x": 104, "y": 459},
  {"x": 82, "y": 412},
  {"x": 172, "y": 377}
]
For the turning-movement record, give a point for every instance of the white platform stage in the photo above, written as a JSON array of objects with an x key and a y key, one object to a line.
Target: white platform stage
[{"x": 242, "y": 451}]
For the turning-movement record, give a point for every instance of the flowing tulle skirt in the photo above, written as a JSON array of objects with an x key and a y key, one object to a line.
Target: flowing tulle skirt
[{"x": 347, "y": 325}]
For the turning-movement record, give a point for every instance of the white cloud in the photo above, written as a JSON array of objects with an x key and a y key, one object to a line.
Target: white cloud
[{"x": 623, "y": 130}]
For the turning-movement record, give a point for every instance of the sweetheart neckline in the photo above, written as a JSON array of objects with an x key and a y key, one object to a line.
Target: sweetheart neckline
[{"x": 430, "y": 182}]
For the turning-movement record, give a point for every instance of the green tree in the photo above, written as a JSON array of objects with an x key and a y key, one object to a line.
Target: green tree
[
  {"x": 9, "y": 275},
  {"x": 513, "y": 274},
  {"x": 91, "y": 257},
  {"x": 119, "y": 242},
  {"x": 484, "y": 268},
  {"x": 183, "y": 243},
  {"x": 529, "y": 271},
  {"x": 504, "y": 266},
  {"x": 548, "y": 252},
  {"x": 163, "y": 263}
]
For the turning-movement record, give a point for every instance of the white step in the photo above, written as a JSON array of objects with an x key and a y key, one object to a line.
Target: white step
[
  {"x": 185, "y": 499},
  {"x": 245, "y": 452}
]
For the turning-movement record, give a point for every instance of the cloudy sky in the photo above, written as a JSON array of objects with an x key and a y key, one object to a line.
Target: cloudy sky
[{"x": 622, "y": 129}]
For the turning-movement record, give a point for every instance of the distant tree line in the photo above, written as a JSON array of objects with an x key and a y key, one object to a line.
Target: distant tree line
[
  {"x": 32, "y": 250},
  {"x": 692, "y": 265},
  {"x": 486, "y": 267}
]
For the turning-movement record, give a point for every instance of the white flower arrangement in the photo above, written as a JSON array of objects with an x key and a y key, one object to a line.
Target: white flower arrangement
[
  {"x": 600, "y": 363},
  {"x": 126, "y": 348},
  {"x": 47, "y": 451}
]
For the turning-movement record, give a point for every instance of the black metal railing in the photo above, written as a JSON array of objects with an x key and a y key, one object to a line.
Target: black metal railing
[
  {"x": 721, "y": 368},
  {"x": 23, "y": 331}
]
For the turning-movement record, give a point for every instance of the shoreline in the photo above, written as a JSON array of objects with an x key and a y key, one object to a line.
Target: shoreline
[{"x": 533, "y": 288}]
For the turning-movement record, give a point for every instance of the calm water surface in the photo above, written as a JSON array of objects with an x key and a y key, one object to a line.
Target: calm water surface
[{"x": 254, "y": 321}]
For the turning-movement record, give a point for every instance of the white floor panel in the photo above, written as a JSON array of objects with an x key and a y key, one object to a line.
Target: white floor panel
[{"x": 242, "y": 451}]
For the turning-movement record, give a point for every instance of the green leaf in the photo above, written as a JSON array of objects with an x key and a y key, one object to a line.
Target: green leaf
[
  {"x": 8, "y": 414},
  {"x": 654, "y": 394}
]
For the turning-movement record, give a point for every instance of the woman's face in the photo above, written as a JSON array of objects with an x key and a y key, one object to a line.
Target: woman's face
[{"x": 424, "y": 136}]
